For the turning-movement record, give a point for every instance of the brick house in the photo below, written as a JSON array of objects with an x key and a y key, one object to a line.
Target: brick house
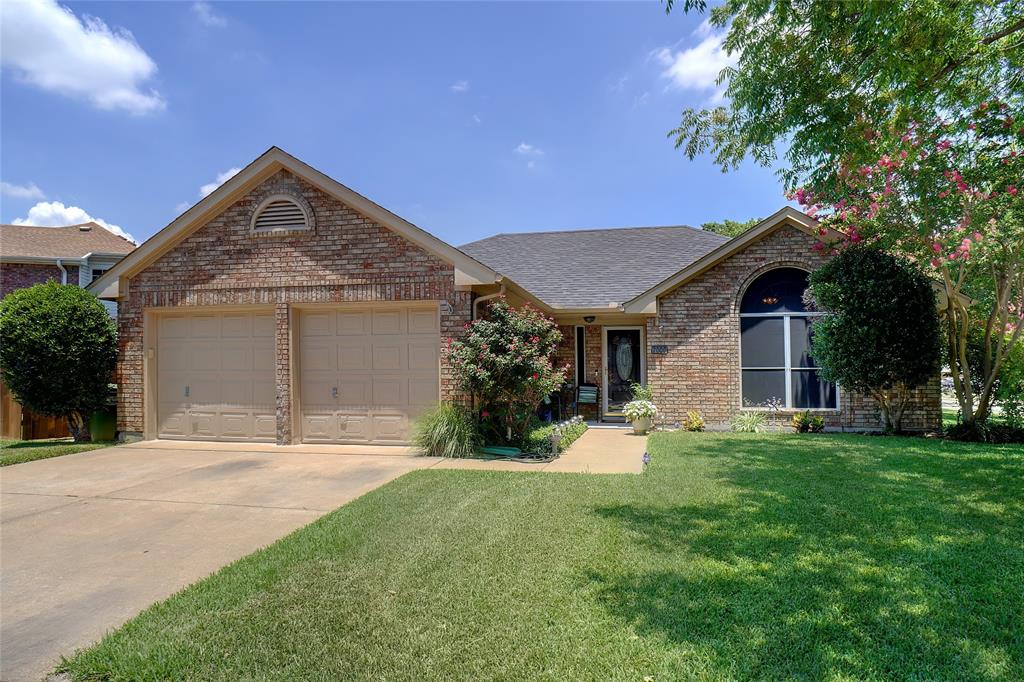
[
  {"x": 285, "y": 307},
  {"x": 76, "y": 254}
]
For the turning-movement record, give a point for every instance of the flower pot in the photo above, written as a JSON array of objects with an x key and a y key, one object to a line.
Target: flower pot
[{"x": 641, "y": 426}]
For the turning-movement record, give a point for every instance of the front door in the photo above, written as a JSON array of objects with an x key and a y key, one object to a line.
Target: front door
[{"x": 623, "y": 368}]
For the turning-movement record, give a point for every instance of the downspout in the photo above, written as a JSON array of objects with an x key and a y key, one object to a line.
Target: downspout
[
  {"x": 63, "y": 272},
  {"x": 488, "y": 297}
]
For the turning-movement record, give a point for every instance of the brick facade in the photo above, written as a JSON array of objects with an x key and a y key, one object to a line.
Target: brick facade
[
  {"x": 346, "y": 257},
  {"x": 699, "y": 323},
  {"x": 20, "y": 275}
]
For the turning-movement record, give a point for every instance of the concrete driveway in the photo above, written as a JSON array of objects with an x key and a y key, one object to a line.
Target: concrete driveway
[{"x": 90, "y": 540}]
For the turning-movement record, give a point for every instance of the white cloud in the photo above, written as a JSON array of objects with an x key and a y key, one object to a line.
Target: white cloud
[
  {"x": 525, "y": 149},
  {"x": 459, "y": 86},
  {"x": 182, "y": 207},
  {"x": 477, "y": 120},
  {"x": 221, "y": 179},
  {"x": 207, "y": 17},
  {"x": 46, "y": 45},
  {"x": 29, "y": 191},
  {"x": 56, "y": 214},
  {"x": 697, "y": 67}
]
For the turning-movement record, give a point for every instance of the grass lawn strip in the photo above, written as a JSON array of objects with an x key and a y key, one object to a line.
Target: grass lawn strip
[
  {"x": 19, "y": 451},
  {"x": 735, "y": 556}
]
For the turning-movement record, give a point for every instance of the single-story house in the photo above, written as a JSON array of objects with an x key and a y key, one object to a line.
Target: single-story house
[
  {"x": 285, "y": 307},
  {"x": 29, "y": 254}
]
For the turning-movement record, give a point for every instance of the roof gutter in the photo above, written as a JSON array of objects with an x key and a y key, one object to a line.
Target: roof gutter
[
  {"x": 488, "y": 297},
  {"x": 63, "y": 272}
]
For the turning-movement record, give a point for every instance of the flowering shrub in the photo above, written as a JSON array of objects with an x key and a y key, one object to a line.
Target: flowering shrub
[
  {"x": 506, "y": 361},
  {"x": 639, "y": 409}
]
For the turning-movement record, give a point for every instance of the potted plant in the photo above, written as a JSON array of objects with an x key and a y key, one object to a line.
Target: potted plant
[{"x": 640, "y": 414}]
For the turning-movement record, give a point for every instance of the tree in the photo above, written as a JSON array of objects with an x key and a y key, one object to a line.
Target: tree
[
  {"x": 58, "y": 346},
  {"x": 506, "y": 360},
  {"x": 881, "y": 335},
  {"x": 902, "y": 125},
  {"x": 730, "y": 228}
]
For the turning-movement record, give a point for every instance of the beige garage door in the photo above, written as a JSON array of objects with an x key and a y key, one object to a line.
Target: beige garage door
[
  {"x": 366, "y": 373},
  {"x": 215, "y": 376}
]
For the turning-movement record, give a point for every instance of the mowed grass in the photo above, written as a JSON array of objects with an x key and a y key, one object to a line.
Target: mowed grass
[
  {"x": 733, "y": 557},
  {"x": 18, "y": 451}
]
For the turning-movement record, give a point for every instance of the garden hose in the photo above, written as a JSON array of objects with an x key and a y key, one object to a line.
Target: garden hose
[{"x": 516, "y": 455}]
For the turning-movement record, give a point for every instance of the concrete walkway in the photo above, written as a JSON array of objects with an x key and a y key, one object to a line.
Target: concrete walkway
[
  {"x": 598, "y": 451},
  {"x": 92, "y": 539}
]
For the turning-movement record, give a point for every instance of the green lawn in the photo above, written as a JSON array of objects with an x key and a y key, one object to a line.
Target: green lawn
[
  {"x": 18, "y": 451},
  {"x": 734, "y": 557}
]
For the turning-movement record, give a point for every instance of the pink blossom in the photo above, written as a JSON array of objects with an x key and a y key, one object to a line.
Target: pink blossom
[
  {"x": 936, "y": 262},
  {"x": 977, "y": 236},
  {"x": 1011, "y": 190},
  {"x": 937, "y": 247}
]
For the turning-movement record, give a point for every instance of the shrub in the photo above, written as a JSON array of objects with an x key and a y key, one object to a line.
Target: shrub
[
  {"x": 985, "y": 432},
  {"x": 506, "y": 361},
  {"x": 805, "y": 422},
  {"x": 58, "y": 346},
  {"x": 446, "y": 431},
  {"x": 693, "y": 421},
  {"x": 554, "y": 438},
  {"x": 881, "y": 335},
  {"x": 749, "y": 422}
]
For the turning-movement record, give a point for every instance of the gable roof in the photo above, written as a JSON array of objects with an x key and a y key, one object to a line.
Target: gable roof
[
  {"x": 53, "y": 243},
  {"x": 467, "y": 270},
  {"x": 647, "y": 301},
  {"x": 593, "y": 269}
]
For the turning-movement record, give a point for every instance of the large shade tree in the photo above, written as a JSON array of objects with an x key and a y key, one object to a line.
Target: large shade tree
[{"x": 901, "y": 124}]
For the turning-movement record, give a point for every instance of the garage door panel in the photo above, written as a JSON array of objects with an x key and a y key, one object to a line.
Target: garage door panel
[
  {"x": 423, "y": 391},
  {"x": 205, "y": 327},
  {"x": 356, "y": 323},
  {"x": 389, "y": 356},
  {"x": 204, "y": 424},
  {"x": 236, "y": 357},
  {"x": 319, "y": 426},
  {"x": 354, "y": 427},
  {"x": 318, "y": 394},
  {"x": 215, "y": 376},
  {"x": 388, "y": 322},
  {"x": 389, "y": 391},
  {"x": 423, "y": 356},
  {"x": 353, "y": 353},
  {"x": 390, "y": 427},
  {"x": 317, "y": 324},
  {"x": 236, "y": 424},
  {"x": 317, "y": 356},
  {"x": 423, "y": 322},
  {"x": 236, "y": 326},
  {"x": 354, "y": 392},
  {"x": 263, "y": 326}
]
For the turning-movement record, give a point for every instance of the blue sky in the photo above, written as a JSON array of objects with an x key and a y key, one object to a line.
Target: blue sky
[{"x": 467, "y": 119}]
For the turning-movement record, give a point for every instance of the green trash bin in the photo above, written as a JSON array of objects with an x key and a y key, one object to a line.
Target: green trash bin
[{"x": 103, "y": 424}]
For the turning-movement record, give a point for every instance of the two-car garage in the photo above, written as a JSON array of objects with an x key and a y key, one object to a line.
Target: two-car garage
[{"x": 358, "y": 373}]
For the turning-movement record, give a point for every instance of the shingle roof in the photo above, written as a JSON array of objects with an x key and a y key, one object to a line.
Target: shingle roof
[
  {"x": 593, "y": 268},
  {"x": 73, "y": 241}
]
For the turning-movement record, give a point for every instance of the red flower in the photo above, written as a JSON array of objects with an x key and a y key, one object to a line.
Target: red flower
[{"x": 536, "y": 376}]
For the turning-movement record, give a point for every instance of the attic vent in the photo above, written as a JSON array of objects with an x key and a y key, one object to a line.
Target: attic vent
[
  {"x": 84, "y": 228},
  {"x": 279, "y": 214}
]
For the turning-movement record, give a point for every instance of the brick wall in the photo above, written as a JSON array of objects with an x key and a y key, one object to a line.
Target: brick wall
[
  {"x": 20, "y": 275},
  {"x": 345, "y": 258},
  {"x": 699, "y": 323}
]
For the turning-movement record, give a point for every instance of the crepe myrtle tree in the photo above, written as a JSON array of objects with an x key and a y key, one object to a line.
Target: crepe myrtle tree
[
  {"x": 945, "y": 194},
  {"x": 881, "y": 335},
  {"x": 506, "y": 360},
  {"x": 58, "y": 346}
]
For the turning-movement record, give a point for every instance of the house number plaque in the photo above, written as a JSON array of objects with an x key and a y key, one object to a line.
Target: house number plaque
[{"x": 659, "y": 349}]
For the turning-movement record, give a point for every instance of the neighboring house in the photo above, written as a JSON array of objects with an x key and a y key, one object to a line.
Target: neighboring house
[
  {"x": 284, "y": 307},
  {"x": 77, "y": 254}
]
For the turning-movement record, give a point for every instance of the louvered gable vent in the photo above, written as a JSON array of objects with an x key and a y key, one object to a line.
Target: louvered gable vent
[{"x": 278, "y": 215}]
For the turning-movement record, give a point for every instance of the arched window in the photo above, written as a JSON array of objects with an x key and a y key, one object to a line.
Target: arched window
[{"x": 775, "y": 342}]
